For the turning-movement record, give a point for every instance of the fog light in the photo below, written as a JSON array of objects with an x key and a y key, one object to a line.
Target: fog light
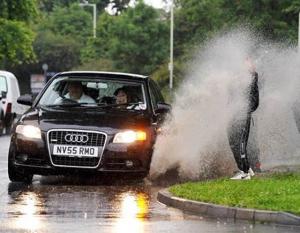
[{"x": 129, "y": 163}]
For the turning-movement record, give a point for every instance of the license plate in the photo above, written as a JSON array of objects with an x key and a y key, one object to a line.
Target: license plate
[{"x": 81, "y": 151}]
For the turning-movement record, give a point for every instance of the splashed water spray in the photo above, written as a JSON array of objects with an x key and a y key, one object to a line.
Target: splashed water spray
[{"x": 194, "y": 139}]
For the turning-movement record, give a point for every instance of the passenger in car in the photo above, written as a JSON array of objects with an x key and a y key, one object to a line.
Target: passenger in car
[
  {"x": 128, "y": 101},
  {"x": 122, "y": 96}
]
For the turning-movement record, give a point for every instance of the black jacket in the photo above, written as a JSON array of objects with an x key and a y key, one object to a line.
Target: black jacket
[{"x": 253, "y": 94}]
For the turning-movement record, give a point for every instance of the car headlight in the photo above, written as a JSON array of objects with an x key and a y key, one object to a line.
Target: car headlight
[
  {"x": 29, "y": 131},
  {"x": 129, "y": 136}
]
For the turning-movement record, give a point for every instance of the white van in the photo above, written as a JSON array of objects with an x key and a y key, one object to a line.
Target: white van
[{"x": 9, "y": 93}]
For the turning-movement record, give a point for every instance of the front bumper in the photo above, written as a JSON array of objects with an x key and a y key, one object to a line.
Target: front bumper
[
  {"x": 47, "y": 170},
  {"x": 33, "y": 156}
]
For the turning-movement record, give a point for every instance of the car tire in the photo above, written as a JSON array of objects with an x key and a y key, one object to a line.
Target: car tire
[
  {"x": 8, "y": 130},
  {"x": 8, "y": 122},
  {"x": 17, "y": 176}
]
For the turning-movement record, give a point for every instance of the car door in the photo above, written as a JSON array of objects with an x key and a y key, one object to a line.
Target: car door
[
  {"x": 3, "y": 92},
  {"x": 156, "y": 100}
]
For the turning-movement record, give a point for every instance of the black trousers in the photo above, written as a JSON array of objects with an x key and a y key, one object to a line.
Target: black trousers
[{"x": 238, "y": 134}]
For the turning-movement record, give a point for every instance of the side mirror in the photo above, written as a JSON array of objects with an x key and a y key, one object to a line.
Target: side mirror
[
  {"x": 25, "y": 99},
  {"x": 163, "y": 108}
]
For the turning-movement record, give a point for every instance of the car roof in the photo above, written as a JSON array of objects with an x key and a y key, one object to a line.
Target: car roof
[
  {"x": 104, "y": 73},
  {"x": 7, "y": 74}
]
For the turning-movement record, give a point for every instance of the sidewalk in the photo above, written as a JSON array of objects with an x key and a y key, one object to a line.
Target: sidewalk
[{"x": 219, "y": 211}]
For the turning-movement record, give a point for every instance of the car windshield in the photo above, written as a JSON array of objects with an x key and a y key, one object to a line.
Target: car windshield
[{"x": 94, "y": 92}]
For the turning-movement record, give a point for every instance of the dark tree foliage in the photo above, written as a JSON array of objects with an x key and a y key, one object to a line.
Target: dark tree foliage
[
  {"x": 120, "y": 5},
  {"x": 69, "y": 21},
  {"x": 135, "y": 41},
  {"x": 276, "y": 20},
  {"x": 24, "y": 10},
  {"x": 198, "y": 20},
  {"x": 49, "y": 5},
  {"x": 195, "y": 20},
  {"x": 59, "y": 52},
  {"x": 15, "y": 36}
]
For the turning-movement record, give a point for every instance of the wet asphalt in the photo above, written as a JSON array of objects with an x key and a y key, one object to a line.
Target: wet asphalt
[{"x": 102, "y": 204}]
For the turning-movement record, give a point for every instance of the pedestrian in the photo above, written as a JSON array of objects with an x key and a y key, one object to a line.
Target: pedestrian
[{"x": 239, "y": 128}]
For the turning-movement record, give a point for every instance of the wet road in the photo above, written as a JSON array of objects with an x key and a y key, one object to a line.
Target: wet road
[{"x": 57, "y": 204}]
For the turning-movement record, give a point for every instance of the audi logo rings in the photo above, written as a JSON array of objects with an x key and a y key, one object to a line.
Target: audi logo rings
[{"x": 76, "y": 138}]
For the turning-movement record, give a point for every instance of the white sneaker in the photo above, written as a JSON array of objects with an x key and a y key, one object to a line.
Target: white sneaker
[
  {"x": 251, "y": 172},
  {"x": 240, "y": 175}
]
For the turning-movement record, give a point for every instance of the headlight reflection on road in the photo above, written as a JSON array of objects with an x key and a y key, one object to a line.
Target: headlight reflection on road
[
  {"x": 134, "y": 210},
  {"x": 28, "y": 218}
]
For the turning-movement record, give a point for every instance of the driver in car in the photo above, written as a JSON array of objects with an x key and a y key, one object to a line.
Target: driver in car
[{"x": 75, "y": 92}]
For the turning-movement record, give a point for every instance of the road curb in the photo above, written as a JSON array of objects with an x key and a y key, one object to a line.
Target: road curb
[{"x": 219, "y": 211}]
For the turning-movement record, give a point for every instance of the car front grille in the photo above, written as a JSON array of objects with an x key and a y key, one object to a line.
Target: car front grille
[
  {"x": 94, "y": 139},
  {"x": 74, "y": 138}
]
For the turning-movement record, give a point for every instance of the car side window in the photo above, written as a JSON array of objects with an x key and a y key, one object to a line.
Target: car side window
[
  {"x": 153, "y": 99},
  {"x": 3, "y": 85},
  {"x": 155, "y": 95}
]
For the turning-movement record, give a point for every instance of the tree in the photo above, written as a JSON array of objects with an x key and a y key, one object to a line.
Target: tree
[
  {"x": 96, "y": 64},
  {"x": 69, "y": 21},
  {"x": 24, "y": 10},
  {"x": 15, "y": 37},
  {"x": 136, "y": 41},
  {"x": 118, "y": 5},
  {"x": 99, "y": 47},
  {"x": 198, "y": 20},
  {"x": 47, "y": 6},
  {"x": 277, "y": 20},
  {"x": 15, "y": 43},
  {"x": 59, "y": 52},
  {"x": 195, "y": 20}
]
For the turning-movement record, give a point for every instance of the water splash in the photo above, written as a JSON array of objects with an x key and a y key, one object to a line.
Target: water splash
[{"x": 194, "y": 139}]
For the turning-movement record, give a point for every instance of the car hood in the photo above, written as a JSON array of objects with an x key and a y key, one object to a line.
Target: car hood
[{"x": 85, "y": 118}]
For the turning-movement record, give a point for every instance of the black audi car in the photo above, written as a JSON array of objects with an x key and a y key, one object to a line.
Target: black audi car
[{"x": 87, "y": 122}]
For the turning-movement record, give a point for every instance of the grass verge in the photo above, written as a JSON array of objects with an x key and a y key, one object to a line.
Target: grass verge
[{"x": 278, "y": 192}]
